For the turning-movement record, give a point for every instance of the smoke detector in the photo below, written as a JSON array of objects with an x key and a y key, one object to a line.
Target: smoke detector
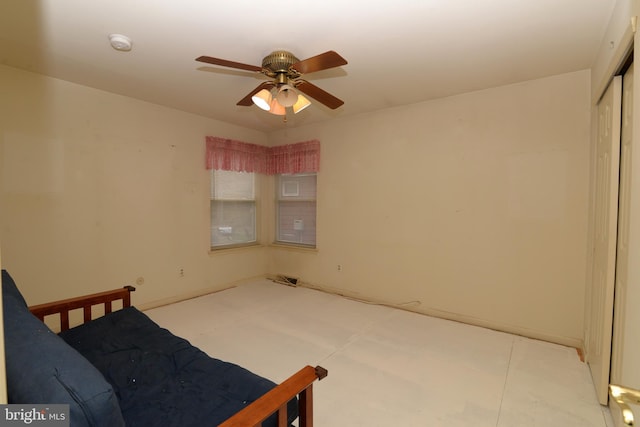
[{"x": 120, "y": 42}]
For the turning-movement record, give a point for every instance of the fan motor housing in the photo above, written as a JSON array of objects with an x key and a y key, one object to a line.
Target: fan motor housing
[{"x": 279, "y": 61}]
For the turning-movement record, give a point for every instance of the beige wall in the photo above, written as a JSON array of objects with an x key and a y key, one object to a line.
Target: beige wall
[
  {"x": 97, "y": 190},
  {"x": 473, "y": 207}
]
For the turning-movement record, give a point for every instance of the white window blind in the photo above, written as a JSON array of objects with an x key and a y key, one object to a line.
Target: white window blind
[
  {"x": 296, "y": 209},
  {"x": 233, "y": 208}
]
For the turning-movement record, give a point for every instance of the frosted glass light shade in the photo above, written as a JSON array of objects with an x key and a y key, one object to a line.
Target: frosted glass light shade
[
  {"x": 300, "y": 104},
  {"x": 277, "y": 109},
  {"x": 287, "y": 96},
  {"x": 262, "y": 99}
]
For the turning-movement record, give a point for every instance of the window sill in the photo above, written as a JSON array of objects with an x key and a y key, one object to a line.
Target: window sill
[
  {"x": 293, "y": 247},
  {"x": 234, "y": 248}
]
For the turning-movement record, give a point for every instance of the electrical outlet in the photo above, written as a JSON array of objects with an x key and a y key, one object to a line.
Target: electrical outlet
[
  {"x": 182, "y": 272},
  {"x": 339, "y": 267}
]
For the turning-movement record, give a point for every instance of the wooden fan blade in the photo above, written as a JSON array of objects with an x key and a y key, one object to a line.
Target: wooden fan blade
[
  {"x": 319, "y": 95},
  {"x": 320, "y": 62},
  {"x": 247, "y": 101},
  {"x": 230, "y": 64}
]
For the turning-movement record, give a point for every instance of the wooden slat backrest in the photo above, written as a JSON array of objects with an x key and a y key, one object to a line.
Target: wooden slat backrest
[{"x": 63, "y": 307}]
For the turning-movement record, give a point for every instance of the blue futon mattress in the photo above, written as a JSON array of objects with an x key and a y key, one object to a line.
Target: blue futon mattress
[{"x": 161, "y": 379}]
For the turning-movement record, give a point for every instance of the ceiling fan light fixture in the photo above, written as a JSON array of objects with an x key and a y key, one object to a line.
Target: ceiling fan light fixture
[
  {"x": 300, "y": 104},
  {"x": 277, "y": 109},
  {"x": 287, "y": 97},
  {"x": 262, "y": 99},
  {"x": 285, "y": 71}
]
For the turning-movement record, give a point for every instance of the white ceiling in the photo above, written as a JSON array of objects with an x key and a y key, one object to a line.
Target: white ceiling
[{"x": 399, "y": 51}]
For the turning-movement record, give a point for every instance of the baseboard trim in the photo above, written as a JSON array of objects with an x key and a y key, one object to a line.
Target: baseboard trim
[
  {"x": 458, "y": 317},
  {"x": 195, "y": 294}
]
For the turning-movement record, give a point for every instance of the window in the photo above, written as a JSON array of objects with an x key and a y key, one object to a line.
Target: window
[
  {"x": 233, "y": 208},
  {"x": 296, "y": 209}
]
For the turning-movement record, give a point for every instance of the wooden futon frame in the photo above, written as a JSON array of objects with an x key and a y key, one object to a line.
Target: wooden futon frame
[{"x": 300, "y": 384}]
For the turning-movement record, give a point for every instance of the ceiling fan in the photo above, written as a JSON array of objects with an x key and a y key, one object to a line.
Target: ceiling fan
[{"x": 285, "y": 72}]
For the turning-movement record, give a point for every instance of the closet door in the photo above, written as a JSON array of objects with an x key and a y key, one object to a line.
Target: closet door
[
  {"x": 598, "y": 342},
  {"x": 626, "y": 334},
  {"x": 625, "y": 368}
]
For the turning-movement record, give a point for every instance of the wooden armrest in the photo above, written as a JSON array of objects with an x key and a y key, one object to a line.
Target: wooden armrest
[
  {"x": 275, "y": 400},
  {"x": 63, "y": 307}
]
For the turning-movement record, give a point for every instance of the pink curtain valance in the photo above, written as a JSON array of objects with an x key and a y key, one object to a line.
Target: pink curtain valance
[
  {"x": 227, "y": 154},
  {"x": 294, "y": 158},
  {"x": 230, "y": 155}
]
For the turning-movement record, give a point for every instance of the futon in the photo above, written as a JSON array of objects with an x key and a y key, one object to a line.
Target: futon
[{"x": 124, "y": 369}]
